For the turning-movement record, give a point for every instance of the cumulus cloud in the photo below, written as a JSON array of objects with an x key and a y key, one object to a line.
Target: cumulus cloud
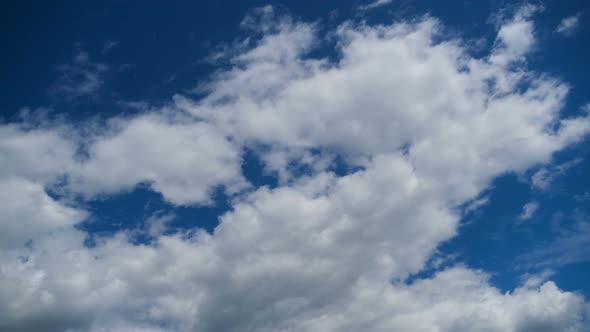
[
  {"x": 32, "y": 160},
  {"x": 426, "y": 127},
  {"x": 28, "y": 212},
  {"x": 568, "y": 25},
  {"x": 515, "y": 36},
  {"x": 181, "y": 158}
]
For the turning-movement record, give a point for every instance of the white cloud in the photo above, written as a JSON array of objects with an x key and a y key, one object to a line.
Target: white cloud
[
  {"x": 28, "y": 212},
  {"x": 568, "y": 25},
  {"x": 157, "y": 223},
  {"x": 428, "y": 125},
  {"x": 528, "y": 210},
  {"x": 515, "y": 37},
  {"x": 375, "y": 4},
  {"x": 181, "y": 158},
  {"x": 40, "y": 154},
  {"x": 451, "y": 111},
  {"x": 30, "y": 160}
]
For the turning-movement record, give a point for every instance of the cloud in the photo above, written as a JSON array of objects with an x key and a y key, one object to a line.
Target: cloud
[
  {"x": 31, "y": 161},
  {"x": 476, "y": 204},
  {"x": 81, "y": 77},
  {"x": 424, "y": 125},
  {"x": 28, "y": 212},
  {"x": 582, "y": 197},
  {"x": 568, "y": 247},
  {"x": 109, "y": 45},
  {"x": 375, "y": 4},
  {"x": 568, "y": 26},
  {"x": 515, "y": 36},
  {"x": 37, "y": 154},
  {"x": 528, "y": 210},
  {"x": 542, "y": 179},
  {"x": 157, "y": 223},
  {"x": 181, "y": 158}
]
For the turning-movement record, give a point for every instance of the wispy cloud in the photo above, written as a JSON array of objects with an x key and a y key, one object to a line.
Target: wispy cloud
[
  {"x": 528, "y": 210},
  {"x": 570, "y": 246},
  {"x": 476, "y": 204},
  {"x": 375, "y": 4},
  {"x": 109, "y": 45},
  {"x": 80, "y": 77},
  {"x": 543, "y": 178},
  {"x": 583, "y": 197},
  {"x": 569, "y": 25},
  {"x": 157, "y": 223}
]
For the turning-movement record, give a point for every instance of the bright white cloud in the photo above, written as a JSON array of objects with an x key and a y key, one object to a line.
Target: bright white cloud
[
  {"x": 181, "y": 158},
  {"x": 37, "y": 154},
  {"x": 515, "y": 37},
  {"x": 568, "y": 25},
  {"x": 30, "y": 160},
  {"x": 28, "y": 212},
  {"x": 428, "y": 125}
]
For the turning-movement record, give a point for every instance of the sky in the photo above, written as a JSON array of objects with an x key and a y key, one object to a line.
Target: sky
[{"x": 385, "y": 165}]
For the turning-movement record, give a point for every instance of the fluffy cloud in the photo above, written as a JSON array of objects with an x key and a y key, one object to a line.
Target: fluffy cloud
[
  {"x": 40, "y": 154},
  {"x": 182, "y": 158},
  {"x": 427, "y": 125},
  {"x": 32, "y": 159},
  {"x": 28, "y": 212}
]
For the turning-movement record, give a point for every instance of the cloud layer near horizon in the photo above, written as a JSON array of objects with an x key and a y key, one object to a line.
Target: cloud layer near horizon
[{"x": 427, "y": 124}]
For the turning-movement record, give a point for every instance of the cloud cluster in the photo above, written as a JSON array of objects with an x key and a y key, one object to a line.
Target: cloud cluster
[{"x": 426, "y": 125}]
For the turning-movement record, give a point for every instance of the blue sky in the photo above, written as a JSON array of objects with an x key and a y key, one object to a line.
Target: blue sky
[{"x": 295, "y": 165}]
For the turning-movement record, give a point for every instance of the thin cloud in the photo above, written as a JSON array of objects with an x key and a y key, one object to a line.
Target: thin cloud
[
  {"x": 544, "y": 177},
  {"x": 78, "y": 78},
  {"x": 569, "y": 247},
  {"x": 109, "y": 45},
  {"x": 375, "y": 4},
  {"x": 528, "y": 210},
  {"x": 568, "y": 26}
]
